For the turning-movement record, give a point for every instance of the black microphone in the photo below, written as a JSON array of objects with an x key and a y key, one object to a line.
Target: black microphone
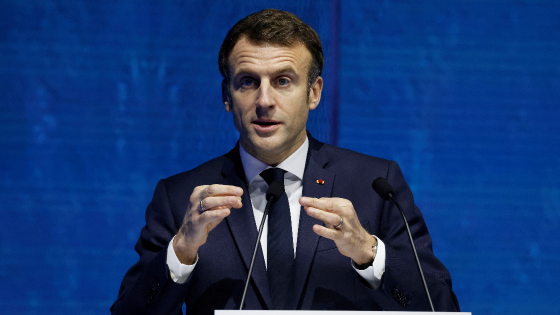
[
  {"x": 385, "y": 191},
  {"x": 273, "y": 194},
  {"x": 275, "y": 190}
]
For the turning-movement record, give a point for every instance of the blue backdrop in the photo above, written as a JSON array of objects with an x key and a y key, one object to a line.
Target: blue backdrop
[{"x": 100, "y": 99}]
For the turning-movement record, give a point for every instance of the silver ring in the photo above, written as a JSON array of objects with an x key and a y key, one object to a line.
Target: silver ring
[
  {"x": 336, "y": 227},
  {"x": 202, "y": 207}
]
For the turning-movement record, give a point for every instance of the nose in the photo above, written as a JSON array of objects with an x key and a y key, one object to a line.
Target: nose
[{"x": 265, "y": 98}]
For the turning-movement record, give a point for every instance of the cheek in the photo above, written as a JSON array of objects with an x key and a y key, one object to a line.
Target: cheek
[
  {"x": 240, "y": 118},
  {"x": 241, "y": 104},
  {"x": 302, "y": 117}
]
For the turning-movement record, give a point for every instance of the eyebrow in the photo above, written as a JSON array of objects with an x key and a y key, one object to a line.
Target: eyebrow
[
  {"x": 242, "y": 71},
  {"x": 283, "y": 70}
]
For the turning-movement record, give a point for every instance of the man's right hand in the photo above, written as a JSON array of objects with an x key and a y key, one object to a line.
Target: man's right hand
[{"x": 217, "y": 201}]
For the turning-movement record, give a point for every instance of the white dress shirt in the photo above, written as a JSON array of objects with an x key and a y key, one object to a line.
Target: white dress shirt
[{"x": 294, "y": 166}]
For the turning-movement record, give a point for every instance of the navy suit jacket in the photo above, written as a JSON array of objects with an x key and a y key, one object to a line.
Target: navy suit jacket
[{"x": 324, "y": 278}]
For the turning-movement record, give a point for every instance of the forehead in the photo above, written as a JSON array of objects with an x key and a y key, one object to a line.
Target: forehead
[{"x": 248, "y": 55}]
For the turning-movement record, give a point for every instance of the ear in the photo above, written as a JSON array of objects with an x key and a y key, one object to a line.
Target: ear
[
  {"x": 315, "y": 93},
  {"x": 226, "y": 99}
]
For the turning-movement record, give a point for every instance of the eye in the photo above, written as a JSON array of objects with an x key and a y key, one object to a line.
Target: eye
[
  {"x": 247, "y": 82},
  {"x": 283, "y": 81}
]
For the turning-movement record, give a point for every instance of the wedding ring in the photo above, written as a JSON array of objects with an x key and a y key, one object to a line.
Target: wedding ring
[
  {"x": 336, "y": 227},
  {"x": 204, "y": 209}
]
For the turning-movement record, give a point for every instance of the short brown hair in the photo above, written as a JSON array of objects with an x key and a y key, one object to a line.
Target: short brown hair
[{"x": 278, "y": 28}]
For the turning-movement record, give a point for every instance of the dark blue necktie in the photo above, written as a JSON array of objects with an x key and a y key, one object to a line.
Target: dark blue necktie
[{"x": 280, "y": 248}]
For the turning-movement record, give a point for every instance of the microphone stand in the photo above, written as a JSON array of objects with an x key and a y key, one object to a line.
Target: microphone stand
[
  {"x": 390, "y": 195},
  {"x": 268, "y": 203},
  {"x": 385, "y": 191}
]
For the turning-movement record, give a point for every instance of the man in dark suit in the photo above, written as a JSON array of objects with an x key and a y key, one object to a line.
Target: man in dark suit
[{"x": 329, "y": 243}]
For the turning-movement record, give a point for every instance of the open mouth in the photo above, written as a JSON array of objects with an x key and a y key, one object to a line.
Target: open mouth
[
  {"x": 265, "y": 122},
  {"x": 266, "y": 125}
]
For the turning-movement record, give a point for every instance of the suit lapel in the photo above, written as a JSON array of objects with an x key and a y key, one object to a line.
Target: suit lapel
[
  {"x": 307, "y": 239},
  {"x": 241, "y": 223}
]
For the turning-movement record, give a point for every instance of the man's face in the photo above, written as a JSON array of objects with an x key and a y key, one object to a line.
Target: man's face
[{"x": 269, "y": 99}]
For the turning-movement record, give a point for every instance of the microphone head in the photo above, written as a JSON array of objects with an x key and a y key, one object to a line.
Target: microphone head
[
  {"x": 276, "y": 189},
  {"x": 383, "y": 188}
]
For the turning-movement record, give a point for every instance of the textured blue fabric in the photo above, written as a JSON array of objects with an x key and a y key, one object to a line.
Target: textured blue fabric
[{"x": 101, "y": 99}]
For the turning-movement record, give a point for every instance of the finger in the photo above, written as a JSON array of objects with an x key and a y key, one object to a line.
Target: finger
[
  {"x": 330, "y": 219},
  {"x": 218, "y": 190},
  {"x": 212, "y": 215},
  {"x": 325, "y": 204},
  {"x": 221, "y": 202},
  {"x": 331, "y": 234}
]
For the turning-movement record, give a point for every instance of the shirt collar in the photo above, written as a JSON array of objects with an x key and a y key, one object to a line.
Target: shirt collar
[{"x": 294, "y": 164}]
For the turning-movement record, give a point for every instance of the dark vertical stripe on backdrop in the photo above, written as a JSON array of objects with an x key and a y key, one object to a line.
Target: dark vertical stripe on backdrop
[{"x": 333, "y": 61}]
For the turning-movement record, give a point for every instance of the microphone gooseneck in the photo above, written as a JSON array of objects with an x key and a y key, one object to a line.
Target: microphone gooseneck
[
  {"x": 273, "y": 194},
  {"x": 386, "y": 191}
]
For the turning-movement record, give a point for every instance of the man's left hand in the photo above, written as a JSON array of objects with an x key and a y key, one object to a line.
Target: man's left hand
[{"x": 351, "y": 239}]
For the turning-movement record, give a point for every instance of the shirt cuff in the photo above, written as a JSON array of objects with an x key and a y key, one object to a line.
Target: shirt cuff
[
  {"x": 374, "y": 273},
  {"x": 179, "y": 272}
]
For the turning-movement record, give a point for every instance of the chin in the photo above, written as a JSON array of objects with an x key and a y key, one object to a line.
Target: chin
[
  {"x": 268, "y": 148},
  {"x": 265, "y": 146}
]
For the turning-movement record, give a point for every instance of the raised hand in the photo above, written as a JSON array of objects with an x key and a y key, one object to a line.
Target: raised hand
[
  {"x": 342, "y": 226},
  {"x": 209, "y": 205}
]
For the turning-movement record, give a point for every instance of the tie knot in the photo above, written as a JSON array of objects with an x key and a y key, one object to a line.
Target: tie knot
[{"x": 273, "y": 175}]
